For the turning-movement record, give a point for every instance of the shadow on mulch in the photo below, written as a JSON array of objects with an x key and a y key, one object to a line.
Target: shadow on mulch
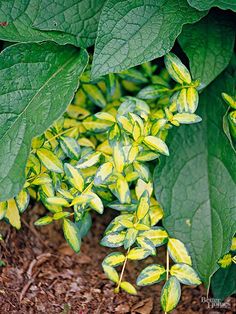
[{"x": 43, "y": 275}]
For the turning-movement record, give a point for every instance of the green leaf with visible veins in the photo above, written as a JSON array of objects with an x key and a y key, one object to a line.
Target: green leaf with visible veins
[
  {"x": 77, "y": 17},
  {"x": 37, "y": 82},
  {"x": 133, "y": 32},
  {"x": 208, "y": 4},
  {"x": 223, "y": 282},
  {"x": 21, "y": 30},
  {"x": 11, "y": 9},
  {"x": 209, "y": 45},
  {"x": 197, "y": 183}
]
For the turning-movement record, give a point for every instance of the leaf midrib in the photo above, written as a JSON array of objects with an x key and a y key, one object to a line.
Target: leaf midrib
[{"x": 37, "y": 93}]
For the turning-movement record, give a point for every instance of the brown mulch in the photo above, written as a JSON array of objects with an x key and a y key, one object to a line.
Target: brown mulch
[{"x": 43, "y": 275}]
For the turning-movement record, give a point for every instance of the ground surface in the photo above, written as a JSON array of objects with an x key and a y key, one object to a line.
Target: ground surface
[{"x": 43, "y": 275}]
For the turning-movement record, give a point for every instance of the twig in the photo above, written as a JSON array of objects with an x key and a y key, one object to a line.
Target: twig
[{"x": 28, "y": 284}]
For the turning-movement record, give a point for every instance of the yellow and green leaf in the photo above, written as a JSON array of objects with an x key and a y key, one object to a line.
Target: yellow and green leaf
[
  {"x": 170, "y": 294},
  {"x": 151, "y": 275},
  {"x": 178, "y": 251},
  {"x": 71, "y": 234},
  {"x": 50, "y": 160},
  {"x": 185, "y": 274}
]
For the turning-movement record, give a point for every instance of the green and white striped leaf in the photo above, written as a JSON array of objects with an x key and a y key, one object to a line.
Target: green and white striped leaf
[{"x": 151, "y": 274}]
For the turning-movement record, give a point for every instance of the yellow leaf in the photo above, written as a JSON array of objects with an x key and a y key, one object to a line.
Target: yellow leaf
[
  {"x": 118, "y": 157},
  {"x": 50, "y": 160},
  {"x": 177, "y": 69},
  {"x": 185, "y": 274},
  {"x": 105, "y": 116},
  {"x": 128, "y": 287},
  {"x": 150, "y": 275},
  {"x": 123, "y": 191},
  {"x": 125, "y": 124},
  {"x": 22, "y": 200},
  {"x": 114, "y": 259},
  {"x": 133, "y": 152},
  {"x": 187, "y": 118},
  {"x": 156, "y": 144},
  {"x": 12, "y": 214},
  {"x": 225, "y": 261},
  {"x": 103, "y": 173},
  {"x": 170, "y": 294},
  {"x": 157, "y": 235},
  {"x": 3, "y": 209},
  {"x": 143, "y": 206},
  {"x": 142, "y": 186},
  {"x": 58, "y": 201},
  {"x": 178, "y": 251},
  {"x": 138, "y": 253},
  {"x": 74, "y": 177},
  {"x": 71, "y": 234},
  {"x": 111, "y": 273}
]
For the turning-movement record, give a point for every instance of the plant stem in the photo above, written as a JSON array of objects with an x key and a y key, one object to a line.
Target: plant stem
[
  {"x": 122, "y": 271},
  {"x": 167, "y": 266}
]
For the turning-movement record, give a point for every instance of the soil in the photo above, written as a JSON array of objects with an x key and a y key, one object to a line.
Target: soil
[{"x": 43, "y": 275}]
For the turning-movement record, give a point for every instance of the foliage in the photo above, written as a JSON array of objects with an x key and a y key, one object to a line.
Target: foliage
[{"x": 116, "y": 129}]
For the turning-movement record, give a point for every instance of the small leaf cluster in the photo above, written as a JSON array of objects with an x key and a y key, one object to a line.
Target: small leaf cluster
[
  {"x": 231, "y": 114},
  {"x": 230, "y": 257},
  {"x": 101, "y": 154}
]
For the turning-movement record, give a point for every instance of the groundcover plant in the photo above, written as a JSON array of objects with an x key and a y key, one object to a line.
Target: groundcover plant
[{"x": 127, "y": 105}]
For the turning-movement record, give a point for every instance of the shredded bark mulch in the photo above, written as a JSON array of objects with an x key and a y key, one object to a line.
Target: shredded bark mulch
[{"x": 43, "y": 275}]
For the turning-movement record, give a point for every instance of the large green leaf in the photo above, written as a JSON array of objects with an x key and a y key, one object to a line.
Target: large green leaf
[
  {"x": 197, "y": 183},
  {"x": 11, "y": 9},
  {"x": 77, "y": 17},
  {"x": 224, "y": 282},
  {"x": 209, "y": 45},
  {"x": 133, "y": 32},
  {"x": 207, "y": 4},
  {"x": 21, "y": 30},
  {"x": 37, "y": 82}
]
